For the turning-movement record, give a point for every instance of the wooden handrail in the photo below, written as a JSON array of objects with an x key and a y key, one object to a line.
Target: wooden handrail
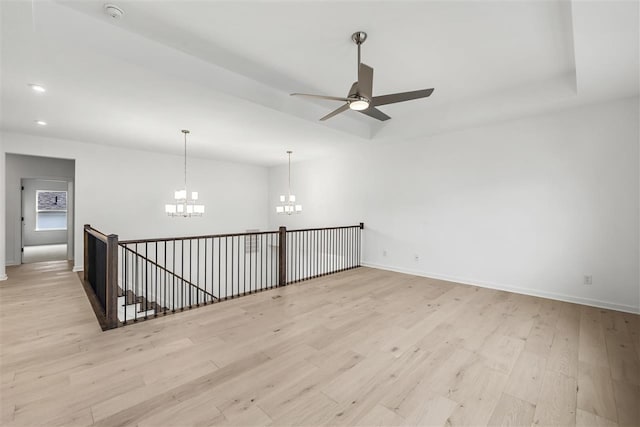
[
  {"x": 95, "y": 233},
  {"x": 168, "y": 271},
  {"x": 361, "y": 226},
  {"x": 217, "y": 236},
  {"x": 209, "y": 236}
]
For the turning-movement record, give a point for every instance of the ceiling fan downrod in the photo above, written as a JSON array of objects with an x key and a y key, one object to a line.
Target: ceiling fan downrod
[{"x": 359, "y": 38}]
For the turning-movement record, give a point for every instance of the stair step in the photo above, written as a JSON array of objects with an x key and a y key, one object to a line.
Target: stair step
[{"x": 132, "y": 311}]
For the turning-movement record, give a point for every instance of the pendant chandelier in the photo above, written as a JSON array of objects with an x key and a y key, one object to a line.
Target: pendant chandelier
[
  {"x": 183, "y": 205},
  {"x": 288, "y": 202}
]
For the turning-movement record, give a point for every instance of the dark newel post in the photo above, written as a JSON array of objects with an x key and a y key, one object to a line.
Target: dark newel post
[
  {"x": 362, "y": 226},
  {"x": 282, "y": 256},
  {"x": 111, "y": 282},
  {"x": 85, "y": 267}
]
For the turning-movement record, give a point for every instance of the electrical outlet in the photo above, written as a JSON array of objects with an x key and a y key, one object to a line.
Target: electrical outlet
[
  {"x": 384, "y": 252},
  {"x": 416, "y": 258},
  {"x": 588, "y": 280}
]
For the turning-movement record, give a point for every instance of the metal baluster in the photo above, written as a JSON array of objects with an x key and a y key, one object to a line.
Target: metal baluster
[
  {"x": 146, "y": 279},
  {"x": 155, "y": 282},
  {"x": 137, "y": 285},
  {"x": 164, "y": 299},
  {"x": 232, "y": 251},
  {"x": 125, "y": 284},
  {"x": 172, "y": 277},
  {"x": 341, "y": 233},
  {"x": 205, "y": 270},
  {"x": 350, "y": 247},
  {"x": 226, "y": 268},
  {"x": 357, "y": 242}
]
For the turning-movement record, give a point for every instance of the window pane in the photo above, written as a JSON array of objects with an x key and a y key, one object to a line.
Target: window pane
[
  {"x": 51, "y": 220},
  {"x": 52, "y": 200}
]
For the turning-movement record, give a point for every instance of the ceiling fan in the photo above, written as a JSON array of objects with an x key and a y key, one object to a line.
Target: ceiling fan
[{"x": 360, "y": 97}]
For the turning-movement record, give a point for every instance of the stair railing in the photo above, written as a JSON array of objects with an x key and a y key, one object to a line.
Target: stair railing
[{"x": 160, "y": 276}]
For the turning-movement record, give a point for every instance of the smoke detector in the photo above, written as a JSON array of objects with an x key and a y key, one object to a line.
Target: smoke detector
[{"x": 113, "y": 11}]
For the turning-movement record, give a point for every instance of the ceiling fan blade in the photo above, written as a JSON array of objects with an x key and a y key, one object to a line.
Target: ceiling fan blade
[
  {"x": 365, "y": 80},
  {"x": 335, "y": 112},
  {"x": 375, "y": 113},
  {"x": 400, "y": 97},
  {"x": 330, "y": 98}
]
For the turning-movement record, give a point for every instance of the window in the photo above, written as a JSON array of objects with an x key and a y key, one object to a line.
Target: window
[{"x": 51, "y": 210}]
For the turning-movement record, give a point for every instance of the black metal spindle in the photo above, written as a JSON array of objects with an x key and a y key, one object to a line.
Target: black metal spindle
[
  {"x": 164, "y": 281},
  {"x": 226, "y": 268},
  {"x": 327, "y": 259},
  {"x": 244, "y": 266},
  {"x": 205, "y": 271},
  {"x": 342, "y": 241},
  {"x": 136, "y": 286},
  {"x": 146, "y": 281},
  {"x": 232, "y": 252},
  {"x": 359, "y": 247},
  {"x": 125, "y": 284},
  {"x": 173, "y": 276}
]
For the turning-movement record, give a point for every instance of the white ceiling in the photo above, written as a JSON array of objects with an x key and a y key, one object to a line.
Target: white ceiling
[{"x": 225, "y": 69}]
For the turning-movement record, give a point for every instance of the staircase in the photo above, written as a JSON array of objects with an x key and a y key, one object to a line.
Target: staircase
[
  {"x": 132, "y": 311},
  {"x": 134, "y": 307}
]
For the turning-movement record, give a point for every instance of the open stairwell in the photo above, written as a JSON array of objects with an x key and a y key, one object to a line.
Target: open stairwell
[
  {"x": 130, "y": 312},
  {"x": 132, "y": 307}
]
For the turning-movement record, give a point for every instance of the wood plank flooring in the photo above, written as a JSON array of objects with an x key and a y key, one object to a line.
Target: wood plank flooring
[{"x": 363, "y": 347}]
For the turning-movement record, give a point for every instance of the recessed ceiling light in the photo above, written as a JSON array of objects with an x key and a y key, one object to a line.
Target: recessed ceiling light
[
  {"x": 37, "y": 88},
  {"x": 41, "y": 123}
]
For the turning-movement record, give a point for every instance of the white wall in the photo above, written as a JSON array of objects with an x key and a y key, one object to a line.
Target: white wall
[
  {"x": 530, "y": 205},
  {"x": 3, "y": 275},
  {"x": 124, "y": 191}
]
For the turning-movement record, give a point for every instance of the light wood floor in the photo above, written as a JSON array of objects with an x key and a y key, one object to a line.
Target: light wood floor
[{"x": 364, "y": 347}]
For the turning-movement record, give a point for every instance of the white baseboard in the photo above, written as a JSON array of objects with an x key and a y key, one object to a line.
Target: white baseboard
[
  {"x": 514, "y": 289},
  {"x": 77, "y": 268},
  {"x": 3, "y": 277}
]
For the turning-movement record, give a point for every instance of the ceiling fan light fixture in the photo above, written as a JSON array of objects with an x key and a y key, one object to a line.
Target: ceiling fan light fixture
[
  {"x": 360, "y": 97},
  {"x": 359, "y": 104}
]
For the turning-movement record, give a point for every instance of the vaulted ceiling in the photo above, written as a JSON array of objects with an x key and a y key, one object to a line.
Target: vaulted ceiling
[{"x": 224, "y": 70}]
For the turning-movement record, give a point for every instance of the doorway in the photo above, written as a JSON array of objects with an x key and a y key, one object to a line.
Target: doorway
[{"x": 46, "y": 217}]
